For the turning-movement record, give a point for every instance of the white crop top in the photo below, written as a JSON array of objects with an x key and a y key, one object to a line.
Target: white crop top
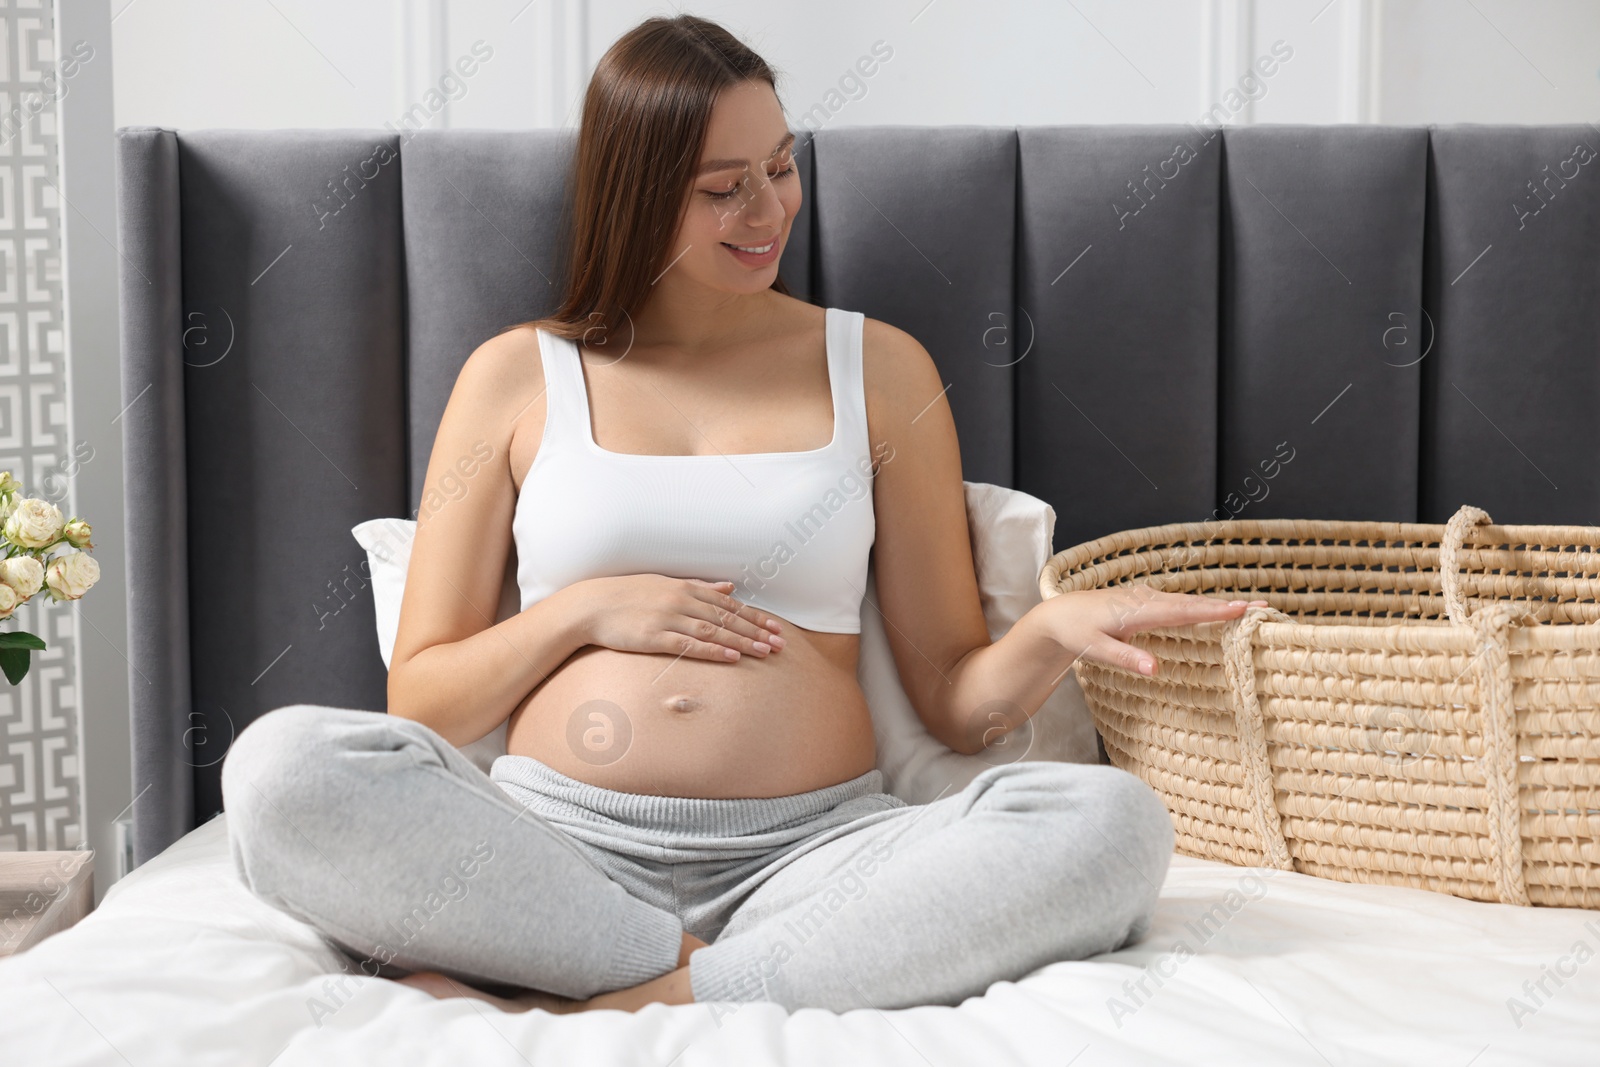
[{"x": 791, "y": 530}]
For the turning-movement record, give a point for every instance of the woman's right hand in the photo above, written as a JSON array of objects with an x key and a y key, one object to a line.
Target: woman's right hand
[
  {"x": 1091, "y": 623},
  {"x": 676, "y": 616}
]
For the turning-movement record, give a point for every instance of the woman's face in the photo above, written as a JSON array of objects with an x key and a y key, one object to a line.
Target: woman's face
[{"x": 746, "y": 194}]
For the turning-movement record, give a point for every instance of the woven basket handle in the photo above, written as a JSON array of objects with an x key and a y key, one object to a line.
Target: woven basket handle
[
  {"x": 1497, "y": 708},
  {"x": 1455, "y": 532}
]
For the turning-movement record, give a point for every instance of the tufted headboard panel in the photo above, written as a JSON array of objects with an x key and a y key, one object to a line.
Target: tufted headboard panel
[{"x": 1138, "y": 324}]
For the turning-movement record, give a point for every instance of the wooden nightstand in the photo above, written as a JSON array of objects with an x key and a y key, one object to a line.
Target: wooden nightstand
[{"x": 42, "y": 893}]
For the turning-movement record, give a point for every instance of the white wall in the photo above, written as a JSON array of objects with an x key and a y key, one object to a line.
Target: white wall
[{"x": 333, "y": 63}]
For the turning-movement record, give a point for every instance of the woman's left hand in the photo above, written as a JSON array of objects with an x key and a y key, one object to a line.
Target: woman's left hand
[{"x": 1090, "y": 623}]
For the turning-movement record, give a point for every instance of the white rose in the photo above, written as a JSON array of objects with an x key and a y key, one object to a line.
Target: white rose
[
  {"x": 69, "y": 576},
  {"x": 23, "y": 574},
  {"x": 34, "y": 523},
  {"x": 8, "y": 484},
  {"x": 8, "y": 601},
  {"x": 77, "y": 533}
]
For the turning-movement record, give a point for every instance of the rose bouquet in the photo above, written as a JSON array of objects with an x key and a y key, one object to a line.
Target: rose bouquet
[{"x": 32, "y": 529}]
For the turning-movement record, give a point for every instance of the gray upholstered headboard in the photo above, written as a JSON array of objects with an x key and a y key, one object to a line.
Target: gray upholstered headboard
[{"x": 1138, "y": 324}]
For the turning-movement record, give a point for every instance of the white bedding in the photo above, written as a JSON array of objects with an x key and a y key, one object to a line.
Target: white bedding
[{"x": 181, "y": 965}]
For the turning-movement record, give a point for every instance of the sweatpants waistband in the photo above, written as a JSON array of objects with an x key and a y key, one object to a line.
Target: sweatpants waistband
[{"x": 546, "y": 790}]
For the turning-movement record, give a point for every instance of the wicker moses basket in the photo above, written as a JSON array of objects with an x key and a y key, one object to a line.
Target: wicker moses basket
[{"x": 1420, "y": 705}]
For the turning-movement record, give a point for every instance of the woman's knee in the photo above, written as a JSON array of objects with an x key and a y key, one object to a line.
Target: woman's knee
[
  {"x": 1140, "y": 816},
  {"x": 1101, "y": 808},
  {"x": 283, "y": 763}
]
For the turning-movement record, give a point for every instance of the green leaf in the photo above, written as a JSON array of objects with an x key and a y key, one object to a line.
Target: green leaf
[
  {"x": 14, "y": 662},
  {"x": 20, "y": 639}
]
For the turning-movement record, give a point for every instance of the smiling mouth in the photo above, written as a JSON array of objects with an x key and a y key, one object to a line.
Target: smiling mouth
[{"x": 754, "y": 250}]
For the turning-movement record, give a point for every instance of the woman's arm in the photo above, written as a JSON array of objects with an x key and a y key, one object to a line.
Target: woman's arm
[
  {"x": 1024, "y": 667},
  {"x": 454, "y": 668},
  {"x": 464, "y": 689},
  {"x": 967, "y": 690}
]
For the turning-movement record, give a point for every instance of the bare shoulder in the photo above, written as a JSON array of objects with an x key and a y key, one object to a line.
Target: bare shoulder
[
  {"x": 892, "y": 350},
  {"x": 503, "y": 372},
  {"x": 497, "y": 388},
  {"x": 897, "y": 372},
  {"x": 490, "y": 404}
]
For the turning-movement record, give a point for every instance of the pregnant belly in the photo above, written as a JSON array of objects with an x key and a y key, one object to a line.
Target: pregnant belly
[{"x": 657, "y": 724}]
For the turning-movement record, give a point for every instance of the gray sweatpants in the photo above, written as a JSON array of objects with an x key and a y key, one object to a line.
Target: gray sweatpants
[{"x": 384, "y": 837}]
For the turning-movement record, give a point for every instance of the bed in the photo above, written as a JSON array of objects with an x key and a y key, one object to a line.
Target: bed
[
  {"x": 181, "y": 964},
  {"x": 1126, "y": 346}
]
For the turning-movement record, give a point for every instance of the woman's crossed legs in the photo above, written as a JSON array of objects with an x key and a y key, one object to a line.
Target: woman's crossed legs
[
  {"x": 1029, "y": 864},
  {"x": 383, "y": 836}
]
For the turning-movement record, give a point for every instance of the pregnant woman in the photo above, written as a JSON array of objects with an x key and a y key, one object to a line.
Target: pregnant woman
[{"x": 692, "y": 467}]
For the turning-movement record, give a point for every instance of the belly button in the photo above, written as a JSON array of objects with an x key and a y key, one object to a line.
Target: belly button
[{"x": 682, "y": 704}]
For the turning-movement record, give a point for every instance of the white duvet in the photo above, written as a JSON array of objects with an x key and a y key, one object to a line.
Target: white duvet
[{"x": 181, "y": 965}]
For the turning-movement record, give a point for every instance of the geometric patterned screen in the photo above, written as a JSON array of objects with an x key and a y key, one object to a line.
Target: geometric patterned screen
[{"x": 39, "y": 718}]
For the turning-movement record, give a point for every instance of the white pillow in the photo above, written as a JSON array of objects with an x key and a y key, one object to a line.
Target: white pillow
[{"x": 1011, "y": 535}]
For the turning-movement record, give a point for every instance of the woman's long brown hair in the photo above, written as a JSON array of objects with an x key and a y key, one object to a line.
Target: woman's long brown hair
[{"x": 642, "y": 131}]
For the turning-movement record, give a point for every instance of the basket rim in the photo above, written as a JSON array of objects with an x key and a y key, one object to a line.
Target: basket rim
[
  {"x": 1069, "y": 559},
  {"x": 1416, "y": 635}
]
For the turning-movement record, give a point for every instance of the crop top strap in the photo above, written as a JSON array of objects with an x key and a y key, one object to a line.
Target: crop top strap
[
  {"x": 846, "y": 368},
  {"x": 565, "y": 413}
]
